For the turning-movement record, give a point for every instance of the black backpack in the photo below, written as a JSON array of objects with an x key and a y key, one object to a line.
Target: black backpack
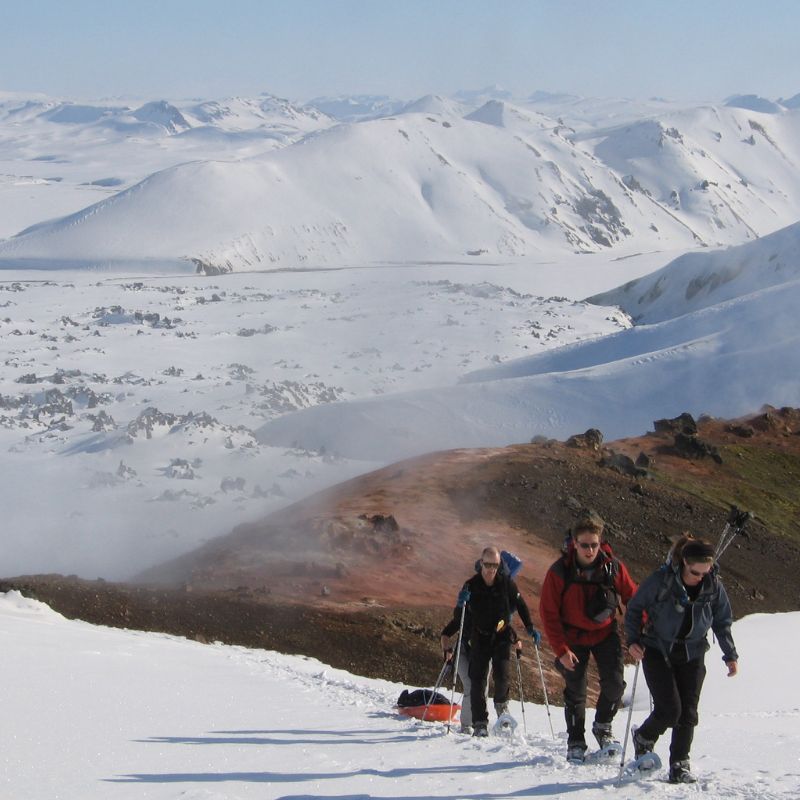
[{"x": 421, "y": 697}]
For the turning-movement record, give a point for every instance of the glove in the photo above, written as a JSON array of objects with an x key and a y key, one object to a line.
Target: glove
[
  {"x": 463, "y": 598},
  {"x": 535, "y": 635}
]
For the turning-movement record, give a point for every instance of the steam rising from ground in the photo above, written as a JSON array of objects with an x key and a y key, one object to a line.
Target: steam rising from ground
[{"x": 129, "y": 404}]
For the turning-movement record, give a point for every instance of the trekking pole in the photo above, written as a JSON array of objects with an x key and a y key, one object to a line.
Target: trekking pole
[
  {"x": 628, "y": 723},
  {"x": 439, "y": 681},
  {"x": 455, "y": 665},
  {"x": 733, "y": 527},
  {"x": 544, "y": 689},
  {"x": 521, "y": 697}
]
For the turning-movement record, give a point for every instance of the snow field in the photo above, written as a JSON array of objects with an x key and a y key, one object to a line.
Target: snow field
[{"x": 128, "y": 714}]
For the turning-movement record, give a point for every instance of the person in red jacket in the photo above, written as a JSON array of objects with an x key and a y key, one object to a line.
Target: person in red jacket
[{"x": 579, "y": 603}]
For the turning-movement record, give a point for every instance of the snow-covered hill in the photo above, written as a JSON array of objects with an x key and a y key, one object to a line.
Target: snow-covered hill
[
  {"x": 725, "y": 360},
  {"x": 57, "y": 157},
  {"x": 503, "y": 182},
  {"x": 699, "y": 280},
  {"x": 124, "y": 714}
]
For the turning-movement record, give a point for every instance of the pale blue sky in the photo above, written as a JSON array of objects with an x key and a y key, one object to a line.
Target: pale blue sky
[{"x": 693, "y": 50}]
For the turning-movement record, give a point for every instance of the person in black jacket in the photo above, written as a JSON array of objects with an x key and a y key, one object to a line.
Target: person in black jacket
[
  {"x": 490, "y": 598},
  {"x": 666, "y": 623}
]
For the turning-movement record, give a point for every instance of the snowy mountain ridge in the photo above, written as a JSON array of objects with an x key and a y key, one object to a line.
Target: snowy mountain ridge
[{"x": 274, "y": 185}]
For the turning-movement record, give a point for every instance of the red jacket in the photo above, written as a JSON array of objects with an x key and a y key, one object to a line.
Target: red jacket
[{"x": 563, "y": 613}]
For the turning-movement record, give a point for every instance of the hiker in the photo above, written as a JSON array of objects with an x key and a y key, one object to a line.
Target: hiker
[
  {"x": 681, "y": 600},
  {"x": 580, "y": 598},
  {"x": 487, "y": 602}
]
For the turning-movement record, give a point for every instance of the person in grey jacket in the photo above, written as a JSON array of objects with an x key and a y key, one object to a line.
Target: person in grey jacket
[{"x": 666, "y": 624}]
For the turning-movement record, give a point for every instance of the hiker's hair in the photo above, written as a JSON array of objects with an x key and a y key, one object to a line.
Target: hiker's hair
[
  {"x": 676, "y": 551},
  {"x": 588, "y": 523},
  {"x": 490, "y": 548},
  {"x": 702, "y": 551}
]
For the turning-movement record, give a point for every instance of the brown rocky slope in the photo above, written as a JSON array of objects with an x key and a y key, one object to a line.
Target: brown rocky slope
[{"x": 363, "y": 576}]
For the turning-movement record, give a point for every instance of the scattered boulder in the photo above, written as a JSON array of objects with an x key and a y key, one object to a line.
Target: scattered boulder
[
  {"x": 591, "y": 440},
  {"x": 771, "y": 420},
  {"x": 101, "y": 422},
  {"x": 745, "y": 431},
  {"x": 684, "y": 423},
  {"x": 691, "y": 447},
  {"x": 623, "y": 464}
]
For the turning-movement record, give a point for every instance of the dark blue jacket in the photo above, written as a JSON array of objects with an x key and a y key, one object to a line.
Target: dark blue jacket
[{"x": 663, "y": 598}]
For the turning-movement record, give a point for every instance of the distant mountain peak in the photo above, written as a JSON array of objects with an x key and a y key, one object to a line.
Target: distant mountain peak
[
  {"x": 752, "y": 102},
  {"x": 160, "y": 112},
  {"x": 491, "y": 113},
  {"x": 791, "y": 102}
]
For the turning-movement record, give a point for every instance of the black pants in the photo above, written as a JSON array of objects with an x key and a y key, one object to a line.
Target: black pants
[
  {"x": 675, "y": 685},
  {"x": 485, "y": 650},
  {"x": 608, "y": 657}
]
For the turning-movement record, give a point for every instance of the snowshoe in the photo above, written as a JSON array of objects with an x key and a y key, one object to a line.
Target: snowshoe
[
  {"x": 643, "y": 766},
  {"x": 611, "y": 753},
  {"x": 505, "y": 725}
]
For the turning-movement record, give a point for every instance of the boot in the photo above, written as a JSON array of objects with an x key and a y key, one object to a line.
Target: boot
[
  {"x": 602, "y": 732},
  {"x": 679, "y": 772},
  {"x": 479, "y": 729},
  {"x": 576, "y": 752},
  {"x": 641, "y": 745},
  {"x": 500, "y": 709}
]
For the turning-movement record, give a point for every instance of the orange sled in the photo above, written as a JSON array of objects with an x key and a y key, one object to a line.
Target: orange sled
[{"x": 437, "y": 712}]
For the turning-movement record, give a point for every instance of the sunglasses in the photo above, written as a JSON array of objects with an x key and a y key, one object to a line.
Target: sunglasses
[
  {"x": 490, "y": 565},
  {"x": 696, "y": 573},
  {"x": 588, "y": 545}
]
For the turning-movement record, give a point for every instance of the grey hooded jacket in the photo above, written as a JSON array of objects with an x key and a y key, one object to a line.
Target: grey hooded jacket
[{"x": 663, "y": 597}]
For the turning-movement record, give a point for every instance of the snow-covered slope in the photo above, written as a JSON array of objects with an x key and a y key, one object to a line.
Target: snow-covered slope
[
  {"x": 93, "y": 712},
  {"x": 698, "y": 280},
  {"x": 718, "y": 170},
  {"x": 725, "y": 360}
]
